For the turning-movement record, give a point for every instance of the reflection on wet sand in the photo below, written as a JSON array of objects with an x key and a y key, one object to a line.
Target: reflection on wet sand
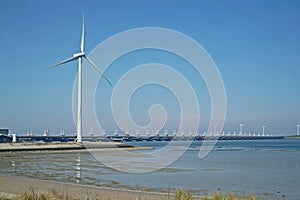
[
  {"x": 13, "y": 166},
  {"x": 78, "y": 169}
]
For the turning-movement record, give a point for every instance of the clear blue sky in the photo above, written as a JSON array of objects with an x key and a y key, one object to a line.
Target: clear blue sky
[{"x": 255, "y": 44}]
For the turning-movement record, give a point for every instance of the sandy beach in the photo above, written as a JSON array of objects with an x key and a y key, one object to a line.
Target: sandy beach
[{"x": 16, "y": 185}]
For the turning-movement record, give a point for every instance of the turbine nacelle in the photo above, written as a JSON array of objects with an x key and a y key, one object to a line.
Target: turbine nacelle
[{"x": 76, "y": 55}]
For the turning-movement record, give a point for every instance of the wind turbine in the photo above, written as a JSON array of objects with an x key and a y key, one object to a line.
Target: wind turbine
[
  {"x": 79, "y": 56},
  {"x": 241, "y": 129},
  {"x": 263, "y": 129}
]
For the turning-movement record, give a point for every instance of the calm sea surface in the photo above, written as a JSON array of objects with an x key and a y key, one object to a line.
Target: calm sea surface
[{"x": 269, "y": 168}]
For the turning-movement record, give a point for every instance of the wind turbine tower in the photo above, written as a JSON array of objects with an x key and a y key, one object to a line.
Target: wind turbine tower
[
  {"x": 79, "y": 56},
  {"x": 263, "y": 130},
  {"x": 298, "y": 129},
  {"x": 241, "y": 129}
]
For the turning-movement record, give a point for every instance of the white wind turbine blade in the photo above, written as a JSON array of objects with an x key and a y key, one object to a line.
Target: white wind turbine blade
[
  {"x": 93, "y": 64},
  {"x": 63, "y": 62},
  {"x": 82, "y": 34}
]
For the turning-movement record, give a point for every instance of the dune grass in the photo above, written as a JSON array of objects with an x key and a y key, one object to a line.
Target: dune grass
[
  {"x": 229, "y": 196},
  {"x": 32, "y": 194},
  {"x": 183, "y": 195}
]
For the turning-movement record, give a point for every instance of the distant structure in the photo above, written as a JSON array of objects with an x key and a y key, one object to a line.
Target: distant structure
[
  {"x": 166, "y": 133},
  {"x": 46, "y": 133},
  {"x": 14, "y": 138},
  {"x": 263, "y": 130},
  {"x": 241, "y": 129},
  {"x": 103, "y": 132},
  {"x": 156, "y": 133},
  {"x": 298, "y": 129},
  {"x": 137, "y": 133},
  {"x": 4, "y": 137},
  {"x": 4, "y": 131},
  {"x": 215, "y": 128},
  {"x": 174, "y": 133},
  {"x": 62, "y": 133},
  {"x": 116, "y": 133},
  {"x": 91, "y": 133}
]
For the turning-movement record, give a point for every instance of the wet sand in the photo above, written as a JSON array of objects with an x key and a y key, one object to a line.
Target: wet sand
[
  {"x": 67, "y": 146},
  {"x": 15, "y": 185}
]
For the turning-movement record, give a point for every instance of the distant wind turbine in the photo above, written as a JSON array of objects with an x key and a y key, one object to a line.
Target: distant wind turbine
[
  {"x": 79, "y": 56},
  {"x": 241, "y": 129},
  {"x": 263, "y": 129}
]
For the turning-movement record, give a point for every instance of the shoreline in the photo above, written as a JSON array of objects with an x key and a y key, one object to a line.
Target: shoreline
[
  {"x": 292, "y": 137},
  {"x": 67, "y": 146},
  {"x": 12, "y": 185}
]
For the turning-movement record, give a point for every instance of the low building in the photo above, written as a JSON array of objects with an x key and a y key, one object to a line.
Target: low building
[
  {"x": 4, "y": 135},
  {"x": 5, "y": 138},
  {"x": 4, "y": 131}
]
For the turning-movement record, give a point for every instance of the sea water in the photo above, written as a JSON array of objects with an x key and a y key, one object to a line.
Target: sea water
[{"x": 268, "y": 168}]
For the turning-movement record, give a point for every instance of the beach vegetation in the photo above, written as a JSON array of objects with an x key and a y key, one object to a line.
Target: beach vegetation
[
  {"x": 32, "y": 194},
  {"x": 229, "y": 196},
  {"x": 183, "y": 195}
]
